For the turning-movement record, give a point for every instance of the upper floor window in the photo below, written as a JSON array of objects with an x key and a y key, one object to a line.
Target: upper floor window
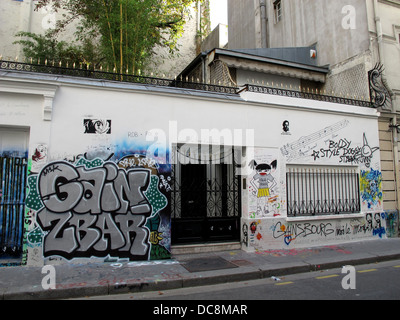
[{"x": 278, "y": 10}]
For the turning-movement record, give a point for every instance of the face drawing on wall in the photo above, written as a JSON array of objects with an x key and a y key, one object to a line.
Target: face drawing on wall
[
  {"x": 264, "y": 183},
  {"x": 97, "y": 126},
  {"x": 285, "y": 127}
]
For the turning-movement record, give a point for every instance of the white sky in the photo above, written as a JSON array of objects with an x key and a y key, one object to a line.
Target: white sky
[{"x": 219, "y": 12}]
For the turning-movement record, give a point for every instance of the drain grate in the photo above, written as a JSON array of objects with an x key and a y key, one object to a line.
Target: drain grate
[{"x": 207, "y": 264}]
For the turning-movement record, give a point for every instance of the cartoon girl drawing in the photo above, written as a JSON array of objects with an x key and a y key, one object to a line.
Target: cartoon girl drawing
[{"x": 263, "y": 182}]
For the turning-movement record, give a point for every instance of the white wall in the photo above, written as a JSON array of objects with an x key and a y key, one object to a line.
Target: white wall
[
  {"x": 320, "y": 134},
  {"x": 323, "y": 122},
  {"x": 23, "y": 108}
]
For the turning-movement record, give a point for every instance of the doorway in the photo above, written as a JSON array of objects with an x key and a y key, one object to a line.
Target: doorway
[
  {"x": 206, "y": 199},
  {"x": 13, "y": 175}
]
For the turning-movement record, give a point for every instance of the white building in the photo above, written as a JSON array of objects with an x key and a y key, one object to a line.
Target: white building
[
  {"x": 134, "y": 171},
  {"x": 245, "y": 148}
]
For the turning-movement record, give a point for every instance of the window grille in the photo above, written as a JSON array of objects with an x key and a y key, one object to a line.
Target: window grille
[{"x": 315, "y": 191}]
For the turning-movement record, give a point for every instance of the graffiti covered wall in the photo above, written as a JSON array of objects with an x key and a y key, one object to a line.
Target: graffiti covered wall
[
  {"x": 107, "y": 203},
  {"x": 99, "y": 186},
  {"x": 99, "y": 209},
  {"x": 316, "y": 162},
  {"x": 263, "y": 234}
]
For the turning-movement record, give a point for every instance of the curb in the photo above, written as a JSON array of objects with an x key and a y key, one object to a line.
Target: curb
[{"x": 217, "y": 277}]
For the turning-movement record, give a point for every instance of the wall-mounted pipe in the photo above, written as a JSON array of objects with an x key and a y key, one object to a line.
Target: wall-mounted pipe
[
  {"x": 379, "y": 32},
  {"x": 264, "y": 24},
  {"x": 394, "y": 120}
]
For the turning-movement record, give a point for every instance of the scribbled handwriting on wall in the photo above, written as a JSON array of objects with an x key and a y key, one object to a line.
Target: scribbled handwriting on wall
[
  {"x": 348, "y": 153},
  {"x": 371, "y": 225},
  {"x": 290, "y": 232},
  {"x": 98, "y": 209}
]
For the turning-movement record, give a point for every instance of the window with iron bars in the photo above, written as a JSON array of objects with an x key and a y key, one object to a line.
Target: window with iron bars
[{"x": 313, "y": 191}]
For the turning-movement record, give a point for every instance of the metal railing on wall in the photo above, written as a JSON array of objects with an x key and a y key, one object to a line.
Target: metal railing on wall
[
  {"x": 85, "y": 71},
  {"x": 307, "y": 93}
]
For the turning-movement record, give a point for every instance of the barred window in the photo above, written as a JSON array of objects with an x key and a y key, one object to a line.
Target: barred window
[{"x": 318, "y": 190}]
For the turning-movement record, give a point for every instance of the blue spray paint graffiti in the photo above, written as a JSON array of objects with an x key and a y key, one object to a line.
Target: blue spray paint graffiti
[
  {"x": 13, "y": 172},
  {"x": 371, "y": 187}
]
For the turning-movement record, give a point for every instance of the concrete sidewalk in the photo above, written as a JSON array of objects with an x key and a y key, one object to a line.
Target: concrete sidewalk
[{"x": 189, "y": 270}]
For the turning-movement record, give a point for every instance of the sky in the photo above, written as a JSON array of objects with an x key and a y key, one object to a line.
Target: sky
[{"x": 219, "y": 12}]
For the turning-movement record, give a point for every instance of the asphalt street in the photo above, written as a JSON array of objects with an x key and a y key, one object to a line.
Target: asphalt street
[
  {"x": 379, "y": 281},
  {"x": 215, "y": 276}
]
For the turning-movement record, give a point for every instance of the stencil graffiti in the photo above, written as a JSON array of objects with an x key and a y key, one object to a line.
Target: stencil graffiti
[
  {"x": 100, "y": 209},
  {"x": 371, "y": 224},
  {"x": 286, "y": 128},
  {"x": 99, "y": 126}
]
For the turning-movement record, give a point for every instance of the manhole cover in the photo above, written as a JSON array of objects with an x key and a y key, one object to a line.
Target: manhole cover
[{"x": 207, "y": 264}]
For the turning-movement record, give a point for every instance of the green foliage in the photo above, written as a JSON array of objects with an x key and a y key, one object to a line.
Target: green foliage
[
  {"x": 119, "y": 34},
  {"x": 40, "y": 48}
]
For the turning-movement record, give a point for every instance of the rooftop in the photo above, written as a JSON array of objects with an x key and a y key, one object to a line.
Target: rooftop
[{"x": 294, "y": 57}]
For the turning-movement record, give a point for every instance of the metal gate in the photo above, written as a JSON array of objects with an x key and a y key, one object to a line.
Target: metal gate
[
  {"x": 13, "y": 174},
  {"x": 205, "y": 198}
]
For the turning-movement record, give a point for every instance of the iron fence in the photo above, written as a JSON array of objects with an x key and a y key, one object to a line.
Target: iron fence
[
  {"x": 58, "y": 69},
  {"x": 322, "y": 191},
  {"x": 306, "y": 95}
]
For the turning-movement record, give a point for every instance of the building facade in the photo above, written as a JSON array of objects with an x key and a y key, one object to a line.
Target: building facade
[
  {"x": 252, "y": 147},
  {"x": 131, "y": 170},
  {"x": 356, "y": 39}
]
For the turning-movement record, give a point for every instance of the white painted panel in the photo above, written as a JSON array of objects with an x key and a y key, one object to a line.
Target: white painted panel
[{"x": 13, "y": 142}]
